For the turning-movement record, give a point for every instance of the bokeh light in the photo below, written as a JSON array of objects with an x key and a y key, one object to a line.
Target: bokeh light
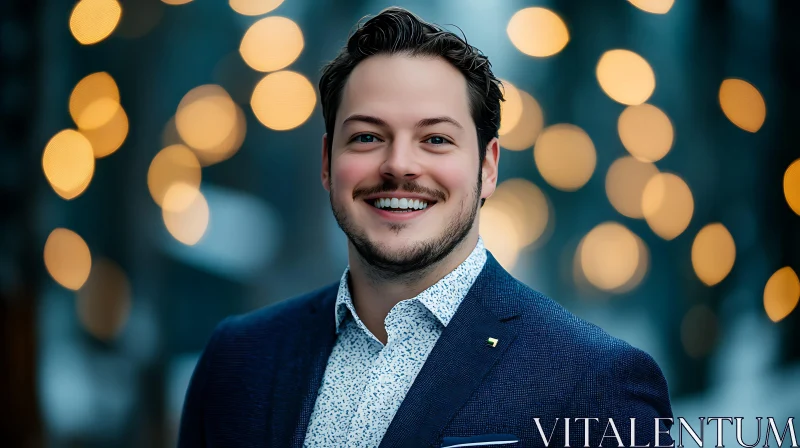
[
  {"x": 230, "y": 146},
  {"x": 510, "y": 108},
  {"x": 68, "y": 163},
  {"x": 713, "y": 253},
  {"x": 283, "y": 100},
  {"x": 108, "y": 138},
  {"x": 743, "y": 104},
  {"x": 667, "y": 205},
  {"x": 527, "y": 207},
  {"x": 174, "y": 164},
  {"x": 206, "y": 117},
  {"x": 271, "y": 44},
  {"x": 94, "y": 101},
  {"x": 176, "y": 2},
  {"x": 254, "y": 7},
  {"x": 565, "y": 156},
  {"x": 499, "y": 234},
  {"x": 609, "y": 256},
  {"x": 646, "y": 132},
  {"x": 537, "y": 32},
  {"x": 186, "y": 223},
  {"x": 791, "y": 186},
  {"x": 103, "y": 303},
  {"x": 781, "y": 294},
  {"x": 653, "y": 6},
  {"x": 67, "y": 258},
  {"x": 699, "y": 331},
  {"x": 625, "y": 77},
  {"x": 625, "y": 182},
  {"x": 92, "y": 21},
  {"x": 530, "y": 124}
]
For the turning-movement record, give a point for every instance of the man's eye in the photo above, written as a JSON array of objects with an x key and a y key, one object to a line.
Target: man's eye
[
  {"x": 437, "y": 140},
  {"x": 365, "y": 138}
]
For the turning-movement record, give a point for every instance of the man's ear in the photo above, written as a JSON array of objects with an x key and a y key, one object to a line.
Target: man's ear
[
  {"x": 489, "y": 168},
  {"x": 326, "y": 173}
]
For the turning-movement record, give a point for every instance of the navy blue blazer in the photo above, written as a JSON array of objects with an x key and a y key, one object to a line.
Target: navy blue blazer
[{"x": 257, "y": 380}]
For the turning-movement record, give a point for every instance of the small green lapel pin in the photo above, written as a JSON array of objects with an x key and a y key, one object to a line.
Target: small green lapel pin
[{"x": 491, "y": 342}]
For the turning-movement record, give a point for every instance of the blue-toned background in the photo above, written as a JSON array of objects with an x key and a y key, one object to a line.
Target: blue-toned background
[{"x": 159, "y": 170}]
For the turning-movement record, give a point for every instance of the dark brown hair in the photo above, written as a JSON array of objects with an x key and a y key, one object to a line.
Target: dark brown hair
[{"x": 396, "y": 30}]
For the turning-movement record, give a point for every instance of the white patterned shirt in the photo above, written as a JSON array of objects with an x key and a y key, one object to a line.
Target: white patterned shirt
[{"x": 365, "y": 382}]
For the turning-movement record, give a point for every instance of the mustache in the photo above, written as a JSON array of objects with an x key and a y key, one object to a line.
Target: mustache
[{"x": 389, "y": 186}]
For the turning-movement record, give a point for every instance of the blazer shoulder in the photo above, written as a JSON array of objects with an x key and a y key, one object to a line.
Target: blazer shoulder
[{"x": 582, "y": 336}]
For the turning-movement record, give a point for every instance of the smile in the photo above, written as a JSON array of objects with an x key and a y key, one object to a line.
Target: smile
[{"x": 399, "y": 205}]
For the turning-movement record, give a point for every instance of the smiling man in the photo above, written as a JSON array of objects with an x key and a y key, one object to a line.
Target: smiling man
[{"x": 425, "y": 340}]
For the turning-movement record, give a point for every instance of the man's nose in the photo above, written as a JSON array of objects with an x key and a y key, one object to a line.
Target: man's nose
[{"x": 401, "y": 161}]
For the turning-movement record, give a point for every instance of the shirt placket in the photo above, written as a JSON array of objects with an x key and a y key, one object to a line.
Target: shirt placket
[{"x": 369, "y": 424}]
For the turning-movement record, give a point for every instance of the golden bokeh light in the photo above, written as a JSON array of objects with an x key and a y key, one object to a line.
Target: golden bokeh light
[
  {"x": 500, "y": 236},
  {"x": 781, "y": 294},
  {"x": 283, "y": 100},
  {"x": 743, "y": 104},
  {"x": 94, "y": 20},
  {"x": 271, "y": 44},
  {"x": 667, "y": 205},
  {"x": 699, "y": 330},
  {"x": 653, "y": 6},
  {"x": 67, "y": 258},
  {"x": 68, "y": 163},
  {"x": 176, "y": 2},
  {"x": 230, "y": 146},
  {"x": 174, "y": 164},
  {"x": 103, "y": 303},
  {"x": 625, "y": 77},
  {"x": 186, "y": 224},
  {"x": 108, "y": 138},
  {"x": 206, "y": 117},
  {"x": 94, "y": 101},
  {"x": 98, "y": 114},
  {"x": 510, "y": 108},
  {"x": 530, "y": 124},
  {"x": 170, "y": 135},
  {"x": 625, "y": 182},
  {"x": 537, "y": 32},
  {"x": 565, "y": 156},
  {"x": 713, "y": 253},
  {"x": 791, "y": 186},
  {"x": 646, "y": 132},
  {"x": 527, "y": 207},
  {"x": 609, "y": 256},
  {"x": 254, "y": 7}
]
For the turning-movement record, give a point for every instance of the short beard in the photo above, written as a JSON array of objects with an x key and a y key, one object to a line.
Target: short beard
[{"x": 415, "y": 261}]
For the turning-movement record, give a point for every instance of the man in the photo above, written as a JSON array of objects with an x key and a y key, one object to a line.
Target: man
[{"x": 426, "y": 340}]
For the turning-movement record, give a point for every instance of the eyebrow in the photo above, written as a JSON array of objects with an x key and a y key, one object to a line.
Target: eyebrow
[{"x": 420, "y": 124}]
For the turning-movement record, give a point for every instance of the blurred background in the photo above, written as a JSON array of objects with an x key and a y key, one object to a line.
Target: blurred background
[{"x": 159, "y": 170}]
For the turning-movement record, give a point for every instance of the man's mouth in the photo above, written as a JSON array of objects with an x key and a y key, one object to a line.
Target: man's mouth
[{"x": 400, "y": 205}]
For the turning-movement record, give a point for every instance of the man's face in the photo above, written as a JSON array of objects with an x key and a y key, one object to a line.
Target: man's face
[{"x": 405, "y": 180}]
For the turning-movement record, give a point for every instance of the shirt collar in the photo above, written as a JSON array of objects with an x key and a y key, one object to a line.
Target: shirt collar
[{"x": 441, "y": 299}]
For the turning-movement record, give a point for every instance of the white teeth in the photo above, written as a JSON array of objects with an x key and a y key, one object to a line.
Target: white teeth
[{"x": 400, "y": 203}]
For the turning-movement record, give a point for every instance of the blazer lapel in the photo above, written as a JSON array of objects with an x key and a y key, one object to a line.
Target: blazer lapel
[
  {"x": 458, "y": 362},
  {"x": 302, "y": 376}
]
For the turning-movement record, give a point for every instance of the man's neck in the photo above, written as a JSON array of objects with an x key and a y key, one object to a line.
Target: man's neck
[{"x": 374, "y": 295}]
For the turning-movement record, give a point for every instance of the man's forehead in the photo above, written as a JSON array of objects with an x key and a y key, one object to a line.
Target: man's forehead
[{"x": 402, "y": 85}]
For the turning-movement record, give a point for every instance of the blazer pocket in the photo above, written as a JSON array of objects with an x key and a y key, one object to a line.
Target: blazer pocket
[{"x": 481, "y": 440}]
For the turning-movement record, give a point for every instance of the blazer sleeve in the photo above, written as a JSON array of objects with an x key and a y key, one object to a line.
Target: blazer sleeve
[
  {"x": 635, "y": 388},
  {"x": 192, "y": 428}
]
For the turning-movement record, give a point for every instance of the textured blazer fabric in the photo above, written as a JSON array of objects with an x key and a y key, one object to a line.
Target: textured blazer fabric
[{"x": 257, "y": 380}]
